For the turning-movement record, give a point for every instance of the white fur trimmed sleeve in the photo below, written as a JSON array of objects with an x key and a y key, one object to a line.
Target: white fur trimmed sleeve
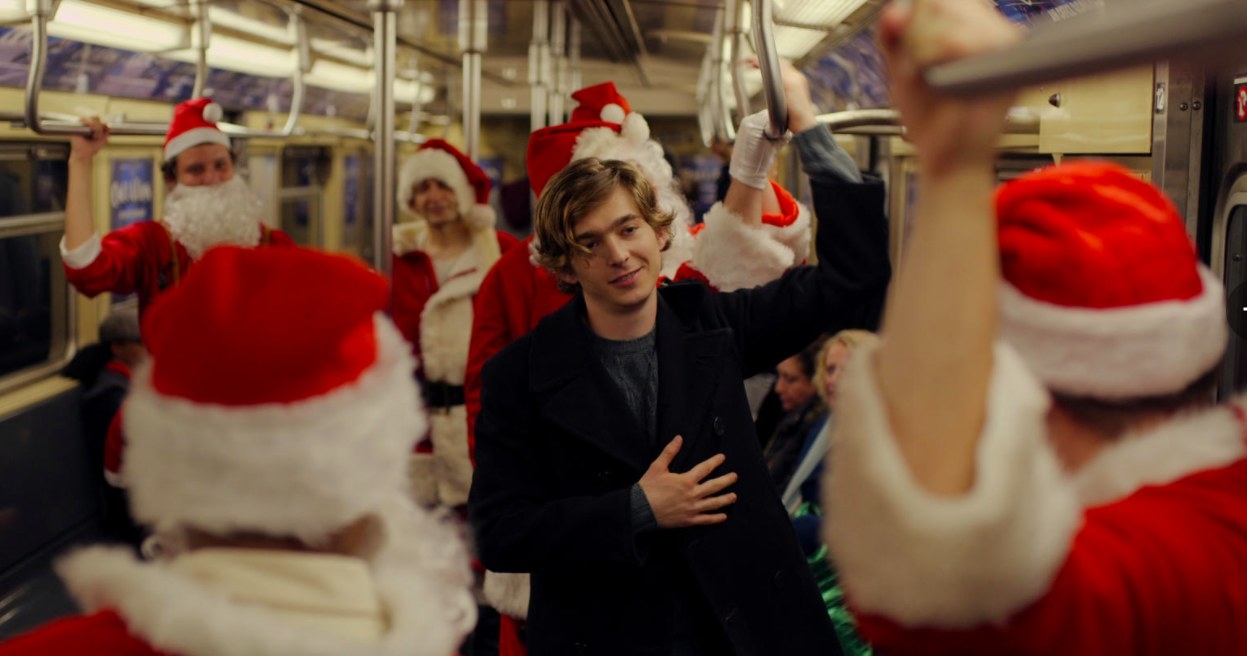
[
  {"x": 734, "y": 256},
  {"x": 84, "y": 254},
  {"x": 948, "y": 562}
]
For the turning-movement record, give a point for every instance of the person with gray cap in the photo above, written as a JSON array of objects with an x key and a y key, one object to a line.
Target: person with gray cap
[{"x": 104, "y": 369}]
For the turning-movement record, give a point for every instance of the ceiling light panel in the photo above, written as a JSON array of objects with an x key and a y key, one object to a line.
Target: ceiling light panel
[
  {"x": 795, "y": 42},
  {"x": 816, "y": 12},
  {"x": 250, "y": 26}
]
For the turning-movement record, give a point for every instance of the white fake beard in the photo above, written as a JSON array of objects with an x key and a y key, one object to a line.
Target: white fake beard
[{"x": 206, "y": 216}]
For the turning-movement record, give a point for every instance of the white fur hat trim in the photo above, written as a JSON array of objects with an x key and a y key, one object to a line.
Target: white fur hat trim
[
  {"x": 440, "y": 165},
  {"x": 302, "y": 469},
  {"x": 1147, "y": 350}
]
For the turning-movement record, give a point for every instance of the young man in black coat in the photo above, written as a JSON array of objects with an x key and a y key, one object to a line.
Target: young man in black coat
[{"x": 616, "y": 457}]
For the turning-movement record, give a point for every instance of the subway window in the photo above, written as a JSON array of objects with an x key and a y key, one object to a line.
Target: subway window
[
  {"x": 303, "y": 174},
  {"x": 34, "y": 299}
]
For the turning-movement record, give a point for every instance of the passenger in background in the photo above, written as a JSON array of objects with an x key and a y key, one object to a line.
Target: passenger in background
[
  {"x": 267, "y": 445},
  {"x": 104, "y": 370},
  {"x": 802, "y": 495},
  {"x": 444, "y": 243},
  {"x": 207, "y": 205},
  {"x": 804, "y": 411},
  {"x": 1049, "y": 474},
  {"x": 770, "y": 238}
]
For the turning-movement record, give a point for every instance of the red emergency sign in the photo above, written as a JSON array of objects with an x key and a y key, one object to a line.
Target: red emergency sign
[{"x": 1240, "y": 102}]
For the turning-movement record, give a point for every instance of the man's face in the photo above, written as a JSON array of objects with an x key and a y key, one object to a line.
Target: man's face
[
  {"x": 620, "y": 273},
  {"x": 435, "y": 201},
  {"x": 793, "y": 385},
  {"x": 204, "y": 165}
]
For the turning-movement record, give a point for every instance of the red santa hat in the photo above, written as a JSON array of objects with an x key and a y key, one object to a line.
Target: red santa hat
[
  {"x": 1104, "y": 295},
  {"x": 278, "y": 398},
  {"x": 194, "y": 123},
  {"x": 602, "y": 125},
  {"x": 437, "y": 159}
]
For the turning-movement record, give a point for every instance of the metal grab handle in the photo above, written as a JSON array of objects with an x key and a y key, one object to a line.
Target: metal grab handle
[
  {"x": 37, "y": 123},
  {"x": 1101, "y": 42},
  {"x": 768, "y": 60},
  {"x": 733, "y": 15}
]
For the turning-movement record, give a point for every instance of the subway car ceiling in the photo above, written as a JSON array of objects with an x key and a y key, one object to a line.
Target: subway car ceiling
[{"x": 658, "y": 52}]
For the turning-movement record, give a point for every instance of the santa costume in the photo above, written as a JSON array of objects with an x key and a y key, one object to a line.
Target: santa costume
[
  {"x": 434, "y": 312},
  {"x": 1139, "y": 551},
  {"x": 149, "y": 257},
  {"x": 283, "y": 411}
]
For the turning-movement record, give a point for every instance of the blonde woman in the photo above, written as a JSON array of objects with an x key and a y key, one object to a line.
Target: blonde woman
[{"x": 801, "y": 496}]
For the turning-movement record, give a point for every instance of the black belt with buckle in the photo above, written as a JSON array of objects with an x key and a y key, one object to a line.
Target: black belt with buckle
[{"x": 442, "y": 396}]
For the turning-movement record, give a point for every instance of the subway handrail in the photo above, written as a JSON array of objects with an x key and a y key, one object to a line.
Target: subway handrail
[
  {"x": 1124, "y": 34},
  {"x": 887, "y": 122},
  {"x": 768, "y": 61},
  {"x": 733, "y": 32},
  {"x": 40, "y": 123},
  {"x": 855, "y": 118}
]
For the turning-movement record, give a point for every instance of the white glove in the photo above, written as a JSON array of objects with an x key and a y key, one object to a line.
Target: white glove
[{"x": 754, "y": 153}]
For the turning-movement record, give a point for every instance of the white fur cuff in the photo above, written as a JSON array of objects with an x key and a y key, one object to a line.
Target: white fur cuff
[
  {"x": 508, "y": 593},
  {"x": 84, "y": 254},
  {"x": 734, "y": 256},
  {"x": 949, "y": 562}
]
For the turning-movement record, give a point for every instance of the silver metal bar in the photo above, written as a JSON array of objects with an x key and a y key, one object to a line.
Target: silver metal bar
[
  {"x": 1123, "y": 35},
  {"x": 539, "y": 64},
  {"x": 859, "y": 118},
  {"x": 473, "y": 31},
  {"x": 385, "y": 22},
  {"x": 199, "y": 41},
  {"x": 298, "y": 87},
  {"x": 573, "y": 55},
  {"x": 768, "y": 59},
  {"x": 886, "y": 122},
  {"x": 733, "y": 19},
  {"x": 558, "y": 59},
  {"x": 723, "y": 126}
]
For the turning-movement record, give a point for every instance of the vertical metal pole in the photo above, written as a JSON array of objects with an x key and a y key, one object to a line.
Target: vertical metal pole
[
  {"x": 538, "y": 63},
  {"x": 573, "y": 56},
  {"x": 385, "y": 29},
  {"x": 733, "y": 30},
  {"x": 558, "y": 58},
  {"x": 199, "y": 41},
  {"x": 473, "y": 30}
]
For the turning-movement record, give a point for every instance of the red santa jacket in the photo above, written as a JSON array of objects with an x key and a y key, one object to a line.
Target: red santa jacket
[
  {"x": 1142, "y": 550},
  {"x": 144, "y": 258},
  {"x": 101, "y": 634},
  {"x": 415, "y": 282}
]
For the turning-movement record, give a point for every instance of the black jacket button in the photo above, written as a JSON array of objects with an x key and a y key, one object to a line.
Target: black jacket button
[
  {"x": 719, "y": 426},
  {"x": 778, "y": 580}
]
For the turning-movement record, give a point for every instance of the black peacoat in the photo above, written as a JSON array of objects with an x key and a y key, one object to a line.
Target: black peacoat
[{"x": 558, "y": 451}]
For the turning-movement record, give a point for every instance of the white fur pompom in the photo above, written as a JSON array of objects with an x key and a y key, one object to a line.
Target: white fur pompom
[
  {"x": 613, "y": 113},
  {"x": 635, "y": 129},
  {"x": 213, "y": 113},
  {"x": 480, "y": 217}
]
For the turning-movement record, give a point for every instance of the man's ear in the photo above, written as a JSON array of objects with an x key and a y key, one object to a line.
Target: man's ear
[{"x": 567, "y": 276}]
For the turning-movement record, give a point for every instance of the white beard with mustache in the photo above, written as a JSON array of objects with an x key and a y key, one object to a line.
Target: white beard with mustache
[{"x": 210, "y": 215}]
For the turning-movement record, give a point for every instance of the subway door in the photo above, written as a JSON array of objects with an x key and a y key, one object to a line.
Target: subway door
[
  {"x": 304, "y": 174},
  {"x": 1228, "y": 168}
]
